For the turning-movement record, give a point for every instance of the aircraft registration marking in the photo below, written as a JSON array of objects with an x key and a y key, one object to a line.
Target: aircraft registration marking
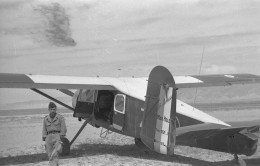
[
  {"x": 162, "y": 131},
  {"x": 162, "y": 125},
  {"x": 163, "y": 119},
  {"x": 160, "y": 143}
]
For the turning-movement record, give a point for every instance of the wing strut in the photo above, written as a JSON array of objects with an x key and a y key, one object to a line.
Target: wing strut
[
  {"x": 51, "y": 98},
  {"x": 80, "y": 130},
  {"x": 66, "y": 92}
]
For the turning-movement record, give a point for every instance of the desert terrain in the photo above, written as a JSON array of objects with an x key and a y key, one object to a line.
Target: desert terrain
[{"x": 21, "y": 144}]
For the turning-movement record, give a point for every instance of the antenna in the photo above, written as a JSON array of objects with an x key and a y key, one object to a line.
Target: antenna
[{"x": 202, "y": 56}]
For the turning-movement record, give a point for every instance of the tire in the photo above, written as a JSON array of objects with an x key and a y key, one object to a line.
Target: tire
[{"x": 65, "y": 146}]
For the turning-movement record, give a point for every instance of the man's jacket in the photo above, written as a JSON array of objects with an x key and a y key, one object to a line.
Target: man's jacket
[{"x": 55, "y": 124}]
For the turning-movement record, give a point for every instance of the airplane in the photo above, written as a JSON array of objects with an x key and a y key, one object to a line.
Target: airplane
[{"x": 148, "y": 110}]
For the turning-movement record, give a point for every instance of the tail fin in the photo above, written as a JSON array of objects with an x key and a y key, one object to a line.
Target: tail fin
[{"x": 158, "y": 126}]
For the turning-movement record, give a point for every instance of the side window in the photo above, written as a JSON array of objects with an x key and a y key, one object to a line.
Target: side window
[
  {"x": 119, "y": 104},
  {"x": 86, "y": 95}
]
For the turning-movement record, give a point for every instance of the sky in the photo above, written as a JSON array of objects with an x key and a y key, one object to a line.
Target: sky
[{"x": 89, "y": 38}]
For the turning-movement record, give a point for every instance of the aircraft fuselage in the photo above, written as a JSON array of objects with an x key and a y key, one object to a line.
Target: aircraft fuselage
[{"x": 123, "y": 114}]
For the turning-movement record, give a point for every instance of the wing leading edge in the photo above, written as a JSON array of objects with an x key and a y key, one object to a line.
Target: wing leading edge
[
  {"x": 135, "y": 87},
  {"x": 52, "y": 82}
]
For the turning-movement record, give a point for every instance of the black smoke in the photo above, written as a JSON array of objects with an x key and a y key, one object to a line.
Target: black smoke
[{"x": 56, "y": 25}]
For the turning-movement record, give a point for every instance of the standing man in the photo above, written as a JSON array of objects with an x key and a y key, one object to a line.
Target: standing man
[{"x": 54, "y": 127}]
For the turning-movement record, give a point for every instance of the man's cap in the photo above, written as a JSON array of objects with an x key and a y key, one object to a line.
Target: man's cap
[{"x": 52, "y": 105}]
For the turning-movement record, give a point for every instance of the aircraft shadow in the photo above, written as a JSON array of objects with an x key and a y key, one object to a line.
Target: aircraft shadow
[
  {"x": 82, "y": 150},
  {"x": 135, "y": 152}
]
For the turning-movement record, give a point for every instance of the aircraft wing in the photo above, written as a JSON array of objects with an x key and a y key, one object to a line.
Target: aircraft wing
[
  {"x": 135, "y": 87},
  {"x": 215, "y": 80},
  {"x": 8, "y": 80}
]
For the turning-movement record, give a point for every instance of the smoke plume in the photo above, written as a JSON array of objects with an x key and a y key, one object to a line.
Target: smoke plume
[{"x": 56, "y": 25}]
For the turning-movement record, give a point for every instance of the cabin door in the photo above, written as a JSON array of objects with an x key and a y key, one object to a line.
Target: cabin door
[
  {"x": 85, "y": 103},
  {"x": 119, "y": 111}
]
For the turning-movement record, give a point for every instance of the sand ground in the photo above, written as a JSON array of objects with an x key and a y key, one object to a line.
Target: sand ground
[{"x": 21, "y": 144}]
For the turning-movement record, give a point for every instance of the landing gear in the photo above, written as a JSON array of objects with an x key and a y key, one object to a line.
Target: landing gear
[
  {"x": 65, "y": 142},
  {"x": 80, "y": 130},
  {"x": 239, "y": 161},
  {"x": 65, "y": 146}
]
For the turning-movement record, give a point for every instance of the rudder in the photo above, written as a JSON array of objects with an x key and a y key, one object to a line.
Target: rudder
[{"x": 158, "y": 130}]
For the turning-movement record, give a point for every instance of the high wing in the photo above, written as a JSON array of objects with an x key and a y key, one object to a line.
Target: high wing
[
  {"x": 135, "y": 87},
  {"x": 8, "y": 80},
  {"x": 215, "y": 80}
]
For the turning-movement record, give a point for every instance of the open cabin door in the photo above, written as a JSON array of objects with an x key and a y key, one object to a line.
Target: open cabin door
[
  {"x": 85, "y": 103},
  {"x": 119, "y": 111},
  {"x": 158, "y": 130}
]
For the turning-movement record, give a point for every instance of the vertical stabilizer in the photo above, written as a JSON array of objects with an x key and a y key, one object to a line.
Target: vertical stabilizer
[{"x": 158, "y": 126}]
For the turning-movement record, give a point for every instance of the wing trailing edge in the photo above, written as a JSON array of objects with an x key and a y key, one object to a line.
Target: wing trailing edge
[{"x": 215, "y": 80}]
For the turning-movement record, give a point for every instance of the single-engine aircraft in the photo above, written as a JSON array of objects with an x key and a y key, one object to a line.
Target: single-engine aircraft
[{"x": 148, "y": 109}]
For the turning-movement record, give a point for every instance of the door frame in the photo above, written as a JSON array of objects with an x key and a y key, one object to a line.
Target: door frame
[{"x": 121, "y": 113}]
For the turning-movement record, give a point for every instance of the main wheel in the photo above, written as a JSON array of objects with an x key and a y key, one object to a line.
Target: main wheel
[{"x": 65, "y": 146}]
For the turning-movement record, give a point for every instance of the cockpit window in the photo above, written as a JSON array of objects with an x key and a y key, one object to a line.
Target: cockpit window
[{"x": 120, "y": 103}]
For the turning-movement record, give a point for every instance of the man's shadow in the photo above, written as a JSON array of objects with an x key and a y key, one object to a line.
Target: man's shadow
[{"x": 87, "y": 150}]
